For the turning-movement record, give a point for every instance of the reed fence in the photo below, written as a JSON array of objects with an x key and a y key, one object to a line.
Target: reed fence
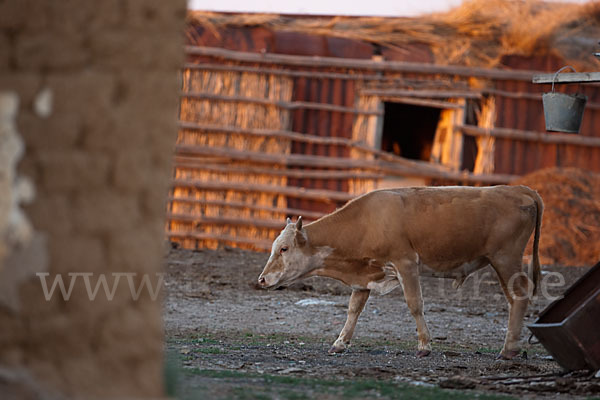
[{"x": 234, "y": 160}]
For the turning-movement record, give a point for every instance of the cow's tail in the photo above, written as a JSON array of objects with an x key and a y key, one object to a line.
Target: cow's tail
[{"x": 534, "y": 268}]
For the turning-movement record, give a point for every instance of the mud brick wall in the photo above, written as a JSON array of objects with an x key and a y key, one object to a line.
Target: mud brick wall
[{"x": 100, "y": 163}]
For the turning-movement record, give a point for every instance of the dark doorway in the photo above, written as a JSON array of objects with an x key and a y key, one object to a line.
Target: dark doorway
[{"x": 408, "y": 130}]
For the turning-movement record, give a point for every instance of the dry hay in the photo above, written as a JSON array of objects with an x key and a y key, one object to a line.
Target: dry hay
[
  {"x": 571, "y": 222},
  {"x": 477, "y": 33}
]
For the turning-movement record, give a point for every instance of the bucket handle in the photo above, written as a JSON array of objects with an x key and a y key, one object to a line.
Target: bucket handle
[{"x": 557, "y": 72}]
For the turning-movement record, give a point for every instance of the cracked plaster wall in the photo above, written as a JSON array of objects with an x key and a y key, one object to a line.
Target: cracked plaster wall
[{"x": 99, "y": 160}]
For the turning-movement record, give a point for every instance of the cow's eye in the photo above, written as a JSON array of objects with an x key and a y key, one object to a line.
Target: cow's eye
[{"x": 283, "y": 249}]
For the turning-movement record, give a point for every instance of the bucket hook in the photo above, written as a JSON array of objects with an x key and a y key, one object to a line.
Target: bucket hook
[{"x": 558, "y": 72}]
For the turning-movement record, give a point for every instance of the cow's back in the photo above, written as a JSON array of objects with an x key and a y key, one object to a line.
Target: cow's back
[{"x": 447, "y": 226}]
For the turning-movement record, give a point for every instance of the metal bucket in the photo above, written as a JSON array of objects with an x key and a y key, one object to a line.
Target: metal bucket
[{"x": 563, "y": 112}]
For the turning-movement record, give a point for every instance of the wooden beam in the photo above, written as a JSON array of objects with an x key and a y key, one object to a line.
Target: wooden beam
[
  {"x": 404, "y": 96},
  {"x": 198, "y": 220},
  {"x": 349, "y": 63},
  {"x": 569, "y": 77},
  {"x": 397, "y": 81},
  {"x": 325, "y": 196},
  {"x": 309, "y": 215},
  {"x": 388, "y": 80},
  {"x": 530, "y": 96},
  {"x": 201, "y": 164},
  {"x": 288, "y": 105},
  {"x": 284, "y": 72},
  {"x": 301, "y": 160},
  {"x": 297, "y": 136},
  {"x": 422, "y": 102},
  {"x": 512, "y": 95},
  {"x": 388, "y": 168},
  {"x": 532, "y": 136},
  {"x": 258, "y": 243},
  {"x": 426, "y": 94}
]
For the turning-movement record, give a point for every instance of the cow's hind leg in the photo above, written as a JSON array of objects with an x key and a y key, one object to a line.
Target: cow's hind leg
[
  {"x": 358, "y": 299},
  {"x": 411, "y": 284},
  {"x": 515, "y": 284}
]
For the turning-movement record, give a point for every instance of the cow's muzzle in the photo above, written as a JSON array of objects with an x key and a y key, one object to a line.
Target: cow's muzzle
[{"x": 268, "y": 281}]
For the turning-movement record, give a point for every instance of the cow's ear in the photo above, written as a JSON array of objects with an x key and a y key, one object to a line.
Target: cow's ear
[
  {"x": 288, "y": 221},
  {"x": 300, "y": 238},
  {"x": 300, "y": 235}
]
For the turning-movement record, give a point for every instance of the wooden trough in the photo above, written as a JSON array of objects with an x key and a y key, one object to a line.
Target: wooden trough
[{"x": 568, "y": 328}]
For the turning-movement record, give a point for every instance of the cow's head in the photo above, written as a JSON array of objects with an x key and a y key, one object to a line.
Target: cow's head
[{"x": 290, "y": 257}]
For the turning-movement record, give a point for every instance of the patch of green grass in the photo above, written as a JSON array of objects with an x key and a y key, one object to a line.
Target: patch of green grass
[
  {"x": 293, "y": 395},
  {"x": 307, "y": 339},
  {"x": 203, "y": 340},
  {"x": 441, "y": 347},
  {"x": 244, "y": 393},
  {"x": 296, "y": 388},
  {"x": 210, "y": 350},
  {"x": 219, "y": 374},
  {"x": 171, "y": 373},
  {"x": 276, "y": 337},
  {"x": 194, "y": 339}
]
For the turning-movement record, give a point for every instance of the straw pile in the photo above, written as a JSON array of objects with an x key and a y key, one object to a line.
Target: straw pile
[
  {"x": 571, "y": 223},
  {"x": 477, "y": 33}
]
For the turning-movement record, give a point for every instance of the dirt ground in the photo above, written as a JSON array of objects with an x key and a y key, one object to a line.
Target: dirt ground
[{"x": 234, "y": 340}]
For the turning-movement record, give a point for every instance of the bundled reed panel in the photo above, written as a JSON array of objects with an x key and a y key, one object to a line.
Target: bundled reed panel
[{"x": 202, "y": 217}]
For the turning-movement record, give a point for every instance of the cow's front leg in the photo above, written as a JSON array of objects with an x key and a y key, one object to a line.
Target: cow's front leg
[
  {"x": 358, "y": 299},
  {"x": 411, "y": 285}
]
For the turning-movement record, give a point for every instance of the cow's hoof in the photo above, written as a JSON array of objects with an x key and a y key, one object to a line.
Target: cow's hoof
[
  {"x": 336, "y": 350},
  {"x": 423, "y": 353},
  {"x": 507, "y": 355}
]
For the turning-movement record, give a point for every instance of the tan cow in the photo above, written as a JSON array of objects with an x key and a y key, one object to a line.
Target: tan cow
[{"x": 382, "y": 239}]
